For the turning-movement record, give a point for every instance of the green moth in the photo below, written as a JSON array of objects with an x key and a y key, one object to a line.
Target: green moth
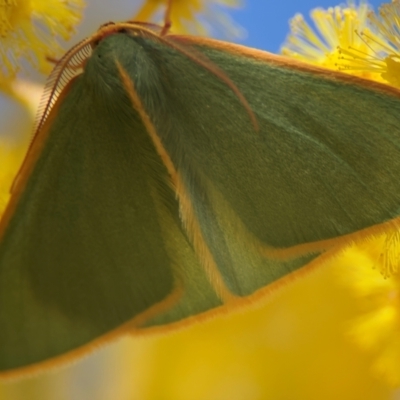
[{"x": 171, "y": 177}]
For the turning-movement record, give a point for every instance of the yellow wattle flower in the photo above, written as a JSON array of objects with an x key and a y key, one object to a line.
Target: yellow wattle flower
[
  {"x": 30, "y": 30},
  {"x": 336, "y": 29},
  {"x": 185, "y": 15},
  {"x": 352, "y": 39}
]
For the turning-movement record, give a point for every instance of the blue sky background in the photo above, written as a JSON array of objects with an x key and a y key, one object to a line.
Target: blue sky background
[{"x": 266, "y": 21}]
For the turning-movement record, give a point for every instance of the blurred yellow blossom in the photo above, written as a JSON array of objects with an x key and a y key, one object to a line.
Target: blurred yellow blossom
[
  {"x": 11, "y": 157},
  {"x": 194, "y": 16},
  {"x": 376, "y": 328},
  {"x": 17, "y": 119},
  {"x": 30, "y": 31},
  {"x": 289, "y": 346}
]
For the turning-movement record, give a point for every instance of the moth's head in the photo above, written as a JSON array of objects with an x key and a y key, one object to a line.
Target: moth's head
[
  {"x": 110, "y": 49},
  {"x": 129, "y": 45},
  {"x": 95, "y": 61}
]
